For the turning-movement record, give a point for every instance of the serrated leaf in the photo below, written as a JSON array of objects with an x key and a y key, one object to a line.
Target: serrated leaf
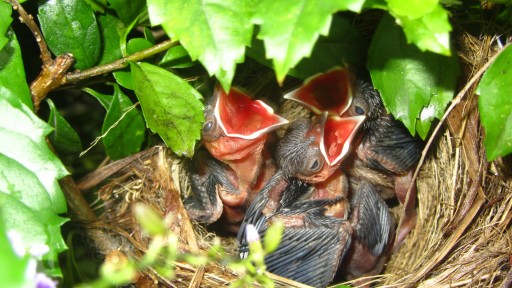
[
  {"x": 63, "y": 137},
  {"x": 495, "y": 105},
  {"x": 128, "y": 11},
  {"x": 111, "y": 41},
  {"x": 13, "y": 86},
  {"x": 5, "y": 22},
  {"x": 412, "y": 9},
  {"x": 344, "y": 45},
  {"x": 415, "y": 86},
  {"x": 124, "y": 131},
  {"x": 171, "y": 107},
  {"x": 291, "y": 28},
  {"x": 30, "y": 196},
  {"x": 69, "y": 26},
  {"x": 214, "y": 32},
  {"x": 431, "y": 32},
  {"x": 27, "y": 145}
]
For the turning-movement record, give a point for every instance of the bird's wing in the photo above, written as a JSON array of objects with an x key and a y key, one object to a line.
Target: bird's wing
[
  {"x": 371, "y": 219},
  {"x": 395, "y": 149},
  {"x": 309, "y": 253}
]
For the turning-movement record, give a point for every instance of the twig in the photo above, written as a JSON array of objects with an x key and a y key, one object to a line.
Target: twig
[
  {"x": 26, "y": 18},
  {"x": 74, "y": 77},
  {"x": 76, "y": 202}
]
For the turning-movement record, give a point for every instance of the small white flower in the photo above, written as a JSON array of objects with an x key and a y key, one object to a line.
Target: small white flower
[{"x": 252, "y": 234}]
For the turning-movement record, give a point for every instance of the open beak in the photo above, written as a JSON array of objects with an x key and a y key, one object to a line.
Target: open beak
[
  {"x": 338, "y": 134},
  {"x": 330, "y": 91},
  {"x": 240, "y": 116}
]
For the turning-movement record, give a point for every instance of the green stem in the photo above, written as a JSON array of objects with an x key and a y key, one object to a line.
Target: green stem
[{"x": 74, "y": 77}]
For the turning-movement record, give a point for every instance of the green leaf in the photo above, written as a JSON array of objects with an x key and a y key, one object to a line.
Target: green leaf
[
  {"x": 124, "y": 31},
  {"x": 273, "y": 237},
  {"x": 13, "y": 268},
  {"x": 376, "y": 4},
  {"x": 177, "y": 57},
  {"x": 27, "y": 145},
  {"x": 291, "y": 28},
  {"x": 63, "y": 136},
  {"x": 104, "y": 99},
  {"x": 214, "y": 32},
  {"x": 431, "y": 32},
  {"x": 137, "y": 44},
  {"x": 111, "y": 41},
  {"x": 171, "y": 107},
  {"x": 98, "y": 5},
  {"x": 123, "y": 127},
  {"x": 13, "y": 86},
  {"x": 415, "y": 86},
  {"x": 344, "y": 45},
  {"x": 128, "y": 11},
  {"x": 495, "y": 105},
  {"x": 124, "y": 78},
  {"x": 5, "y": 22},
  {"x": 31, "y": 198},
  {"x": 412, "y": 9},
  {"x": 149, "y": 35},
  {"x": 69, "y": 26}
]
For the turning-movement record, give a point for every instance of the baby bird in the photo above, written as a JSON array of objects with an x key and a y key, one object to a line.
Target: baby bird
[{"x": 226, "y": 177}]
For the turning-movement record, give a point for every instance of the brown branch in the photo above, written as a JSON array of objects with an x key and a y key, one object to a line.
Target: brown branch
[
  {"x": 26, "y": 18},
  {"x": 52, "y": 76},
  {"x": 74, "y": 77},
  {"x": 81, "y": 211}
]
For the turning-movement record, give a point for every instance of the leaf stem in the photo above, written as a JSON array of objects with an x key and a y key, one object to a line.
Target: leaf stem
[
  {"x": 26, "y": 18},
  {"x": 74, "y": 77}
]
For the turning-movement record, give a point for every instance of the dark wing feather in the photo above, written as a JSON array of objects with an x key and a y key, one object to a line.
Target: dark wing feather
[
  {"x": 374, "y": 221},
  {"x": 310, "y": 254},
  {"x": 388, "y": 139}
]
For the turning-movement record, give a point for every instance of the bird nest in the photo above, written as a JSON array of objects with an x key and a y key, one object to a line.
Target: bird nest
[{"x": 462, "y": 237}]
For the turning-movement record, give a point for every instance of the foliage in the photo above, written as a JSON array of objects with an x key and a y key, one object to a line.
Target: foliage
[{"x": 408, "y": 54}]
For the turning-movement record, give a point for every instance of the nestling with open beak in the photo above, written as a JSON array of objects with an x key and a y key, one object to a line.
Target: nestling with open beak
[
  {"x": 317, "y": 233},
  {"x": 385, "y": 146},
  {"x": 225, "y": 180}
]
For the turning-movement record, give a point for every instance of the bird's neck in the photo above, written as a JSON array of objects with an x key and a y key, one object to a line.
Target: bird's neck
[
  {"x": 248, "y": 167},
  {"x": 335, "y": 186}
]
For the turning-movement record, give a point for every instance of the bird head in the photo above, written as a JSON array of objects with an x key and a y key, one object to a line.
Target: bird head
[
  {"x": 236, "y": 125},
  {"x": 312, "y": 150}
]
